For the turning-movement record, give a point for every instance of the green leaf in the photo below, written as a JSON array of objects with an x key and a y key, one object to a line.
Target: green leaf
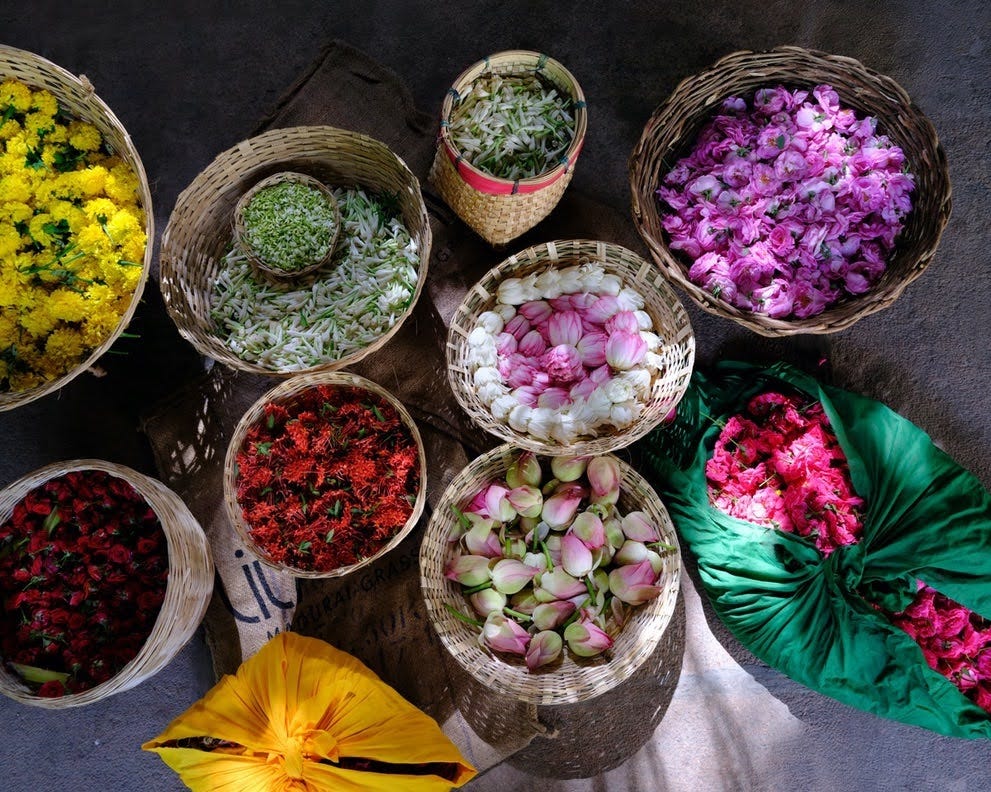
[
  {"x": 263, "y": 448},
  {"x": 33, "y": 160},
  {"x": 335, "y": 510},
  {"x": 779, "y": 141},
  {"x": 270, "y": 422},
  {"x": 304, "y": 547},
  {"x": 39, "y": 675},
  {"x": 330, "y": 536},
  {"x": 52, "y": 520},
  {"x": 378, "y": 413}
]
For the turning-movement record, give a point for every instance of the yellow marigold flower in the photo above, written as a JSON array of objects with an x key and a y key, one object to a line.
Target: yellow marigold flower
[
  {"x": 133, "y": 249},
  {"x": 8, "y": 328},
  {"x": 17, "y": 150},
  {"x": 65, "y": 347},
  {"x": 69, "y": 306},
  {"x": 17, "y": 212},
  {"x": 68, "y": 211},
  {"x": 44, "y": 102},
  {"x": 37, "y": 228},
  {"x": 8, "y": 129},
  {"x": 98, "y": 207},
  {"x": 38, "y": 124},
  {"x": 13, "y": 92},
  {"x": 38, "y": 320},
  {"x": 15, "y": 187},
  {"x": 10, "y": 241},
  {"x": 123, "y": 224},
  {"x": 91, "y": 181},
  {"x": 84, "y": 136},
  {"x": 90, "y": 237},
  {"x": 122, "y": 184}
]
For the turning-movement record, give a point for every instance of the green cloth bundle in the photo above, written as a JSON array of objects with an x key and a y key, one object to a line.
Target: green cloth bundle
[{"x": 811, "y": 617}]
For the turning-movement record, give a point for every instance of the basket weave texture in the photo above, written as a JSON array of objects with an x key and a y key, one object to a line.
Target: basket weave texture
[
  {"x": 573, "y": 679},
  {"x": 77, "y": 97},
  {"x": 670, "y": 323},
  {"x": 284, "y": 392},
  {"x": 187, "y": 593},
  {"x": 674, "y": 126},
  {"x": 198, "y": 234},
  {"x": 240, "y": 230},
  {"x": 507, "y": 208}
]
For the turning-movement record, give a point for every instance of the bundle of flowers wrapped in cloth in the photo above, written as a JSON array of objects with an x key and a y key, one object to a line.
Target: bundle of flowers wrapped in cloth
[
  {"x": 72, "y": 238},
  {"x": 836, "y": 542},
  {"x": 303, "y": 715}
]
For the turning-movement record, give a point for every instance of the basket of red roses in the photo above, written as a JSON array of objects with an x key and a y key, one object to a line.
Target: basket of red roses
[{"x": 104, "y": 576}]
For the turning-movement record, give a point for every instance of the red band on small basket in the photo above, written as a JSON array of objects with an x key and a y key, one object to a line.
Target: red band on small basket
[{"x": 493, "y": 186}]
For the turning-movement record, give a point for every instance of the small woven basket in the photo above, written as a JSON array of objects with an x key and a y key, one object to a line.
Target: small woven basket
[
  {"x": 674, "y": 126},
  {"x": 199, "y": 230},
  {"x": 77, "y": 97},
  {"x": 670, "y": 323},
  {"x": 285, "y": 392},
  {"x": 241, "y": 235},
  {"x": 574, "y": 679},
  {"x": 499, "y": 210},
  {"x": 187, "y": 592}
]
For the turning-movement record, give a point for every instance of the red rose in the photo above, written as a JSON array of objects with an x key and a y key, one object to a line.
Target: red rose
[
  {"x": 147, "y": 545},
  {"x": 53, "y": 689},
  {"x": 118, "y": 554}
]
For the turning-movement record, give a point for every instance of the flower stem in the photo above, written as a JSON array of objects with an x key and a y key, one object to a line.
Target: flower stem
[
  {"x": 517, "y": 614},
  {"x": 475, "y": 589},
  {"x": 466, "y": 619}
]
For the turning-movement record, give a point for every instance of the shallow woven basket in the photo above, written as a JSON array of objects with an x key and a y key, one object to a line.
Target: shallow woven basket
[
  {"x": 187, "y": 592},
  {"x": 241, "y": 235},
  {"x": 670, "y": 323},
  {"x": 499, "y": 210},
  {"x": 573, "y": 679},
  {"x": 76, "y": 95},
  {"x": 284, "y": 392},
  {"x": 674, "y": 126},
  {"x": 199, "y": 229}
]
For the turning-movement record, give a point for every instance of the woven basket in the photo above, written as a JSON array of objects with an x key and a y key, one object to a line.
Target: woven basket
[
  {"x": 499, "y": 210},
  {"x": 199, "y": 230},
  {"x": 77, "y": 97},
  {"x": 284, "y": 392},
  {"x": 670, "y": 323},
  {"x": 574, "y": 679},
  {"x": 674, "y": 126},
  {"x": 240, "y": 231},
  {"x": 187, "y": 592}
]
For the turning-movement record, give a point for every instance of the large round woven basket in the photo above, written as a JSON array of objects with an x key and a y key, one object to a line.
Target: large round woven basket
[
  {"x": 187, "y": 592},
  {"x": 574, "y": 679},
  {"x": 199, "y": 233},
  {"x": 284, "y": 392},
  {"x": 499, "y": 210},
  {"x": 670, "y": 322},
  {"x": 674, "y": 126},
  {"x": 77, "y": 97}
]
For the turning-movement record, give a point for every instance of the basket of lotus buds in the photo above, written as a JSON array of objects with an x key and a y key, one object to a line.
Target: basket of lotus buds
[
  {"x": 511, "y": 129},
  {"x": 570, "y": 347},
  {"x": 550, "y": 579}
]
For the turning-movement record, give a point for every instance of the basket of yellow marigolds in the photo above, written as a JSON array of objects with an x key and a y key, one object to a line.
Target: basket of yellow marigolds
[
  {"x": 512, "y": 127},
  {"x": 75, "y": 217}
]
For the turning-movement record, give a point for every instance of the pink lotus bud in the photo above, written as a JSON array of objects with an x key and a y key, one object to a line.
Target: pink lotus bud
[
  {"x": 583, "y": 301},
  {"x": 602, "y": 309},
  {"x": 618, "y": 611},
  {"x": 560, "y": 303},
  {"x": 528, "y": 501},
  {"x": 504, "y": 635},
  {"x": 603, "y": 477},
  {"x": 468, "y": 570},
  {"x": 565, "y": 328},
  {"x": 533, "y": 345},
  {"x": 575, "y": 557},
  {"x": 602, "y": 556},
  {"x": 592, "y": 348},
  {"x": 524, "y": 601},
  {"x": 517, "y": 327},
  {"x": 536, "y": 560},
  {"x": 545, "y": 647},
  {"x": 519, "y": 375},
  {"x": 602, "y": 375},
  {"x": 635, "y": 584},
  {"x": 506, "y": 344},
  {"x": 586, "y": 639},
  {"x": 556, "y": 584},
  {"x": 625, "y": 321},
  {"x": 631, "y": 552},
  {"x": 554, "y": 398},
  {"x": 625, "y": 350},
  {"x": 483, "y": 541},
  {"x": 526, "y": 394},
  {"x": 589, "y": 528},
  {"x": 510, "y": 576},
  {"x": 582, "y": 389},
  {"x": 487, "y": 601},
  {"x": 569, "y": 468},
  {"x": 559, "y": 509},
  {"x": 535, "y": 311},
  {"x": 553, "y": 543},
  {"x": 638, "y": 527},
  {"x": 562, "y": 363},
  {"x": 549, "y": 615},
  {"x": 498, "y": 505},
  {"x": 524, "y": 471}
]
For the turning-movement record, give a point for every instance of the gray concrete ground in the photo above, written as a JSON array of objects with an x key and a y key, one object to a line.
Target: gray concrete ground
[{"x": 190, "y": 79}]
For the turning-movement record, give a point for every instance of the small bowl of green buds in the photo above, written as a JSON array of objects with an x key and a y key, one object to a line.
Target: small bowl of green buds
[{"x": 287, "y": 224}]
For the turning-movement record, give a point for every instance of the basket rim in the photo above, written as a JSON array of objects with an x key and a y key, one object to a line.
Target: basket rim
[
  {"x": 10, "y": 400},
  {"x": 838, "y": 316},
  {"x": 176, "y": 299},
  {"x": 485, "y": 181},
  {"x": 534, "y": 258},
  {"x": 524, "y": 685},
  {"x": 153, "y": 492},
  {"x": 286, "y": 390}
]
